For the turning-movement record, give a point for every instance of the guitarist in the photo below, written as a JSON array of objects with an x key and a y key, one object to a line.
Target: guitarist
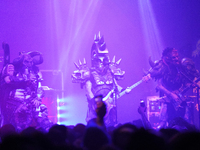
[
  {"x": 171, "y": 75},
  {"x": 100, "y": 79}
]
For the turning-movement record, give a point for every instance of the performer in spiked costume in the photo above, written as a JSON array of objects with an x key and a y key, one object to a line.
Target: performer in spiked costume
[
  {"x": 175, "y": 77},
  {"x": 22, "y": 92},
  {"x": 100, "y": 79}
]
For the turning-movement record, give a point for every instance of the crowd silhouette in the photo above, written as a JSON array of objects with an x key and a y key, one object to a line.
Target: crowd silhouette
[{"x": 95, "y": 136}]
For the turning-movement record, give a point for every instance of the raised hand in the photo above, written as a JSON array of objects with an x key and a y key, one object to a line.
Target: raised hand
[
  {"x": 142, "y": 110},
  {"x": 36, "y": 102},
  {"x": 146, "y": 78},
  {"x": 127, "y": 90}
]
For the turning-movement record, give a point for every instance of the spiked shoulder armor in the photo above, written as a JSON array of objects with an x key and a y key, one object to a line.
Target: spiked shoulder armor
[
  {"x": 82, "y": 74},
  {"x": 157, "y": 69},
  {"x": 116, "y": 71}
]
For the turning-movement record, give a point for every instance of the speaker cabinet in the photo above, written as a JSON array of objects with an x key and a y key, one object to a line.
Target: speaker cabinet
[{"x": 153, "y": 110}]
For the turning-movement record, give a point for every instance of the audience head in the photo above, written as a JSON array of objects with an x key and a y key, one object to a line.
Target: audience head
[
  {"x": 101, "y": 108},
  {"x": 95, "y": 138},
  {"x": 181, "y": 125},
  {"x": 58, "y": 134},
  {"x": 7, "y": 130},
  {"x": 122, "y": 135}
]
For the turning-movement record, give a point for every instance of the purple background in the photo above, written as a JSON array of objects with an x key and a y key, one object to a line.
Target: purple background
[{"x": 63, "y": 31}]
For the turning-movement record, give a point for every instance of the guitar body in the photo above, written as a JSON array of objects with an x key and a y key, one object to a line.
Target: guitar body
[
  {"x": 109, "y": 101},
  {"x": 177, "y": 103},
  {"x": 181, "y": 93},
  {"x": 110, "y": 98}
]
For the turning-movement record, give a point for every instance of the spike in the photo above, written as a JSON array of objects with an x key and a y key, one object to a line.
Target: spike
[
  {"x": 99, "y": 35},
  {"x": 95, "y": 37},
  {"x": 101, "y": 40},
  {"x": 76, "y": 65},
  {"x": 84, "y": 61},
  {"x": 118, "y": 62},
  {"x": 80, "y": 62},
  {"x": 103, "y": 44},
  {"x": 151, "y": 62},
  {"x": 113, "y": 60}
]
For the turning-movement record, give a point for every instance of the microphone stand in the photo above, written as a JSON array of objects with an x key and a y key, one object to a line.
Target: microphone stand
[{"x": 115, "y": 101}]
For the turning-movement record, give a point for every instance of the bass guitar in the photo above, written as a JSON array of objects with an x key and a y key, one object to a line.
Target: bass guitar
[
  {"x": 111, "y": 96},
  {"x": 181, "y": 93}
]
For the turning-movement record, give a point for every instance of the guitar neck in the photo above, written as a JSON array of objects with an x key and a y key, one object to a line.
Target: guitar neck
[{"x": 131, "y": 87}]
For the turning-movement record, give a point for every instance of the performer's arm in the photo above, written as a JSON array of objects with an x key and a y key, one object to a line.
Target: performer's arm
[
  {"x": 10, "y": 79},
  {"x": 168, "y": 93},
  {"x": 8, "y": 73},
  {"x": 40, "y": 91},
  {"x": 146, "y": 123},
  {"x": 88, "y": 88},
  {"x": 120, "y": 89}
]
